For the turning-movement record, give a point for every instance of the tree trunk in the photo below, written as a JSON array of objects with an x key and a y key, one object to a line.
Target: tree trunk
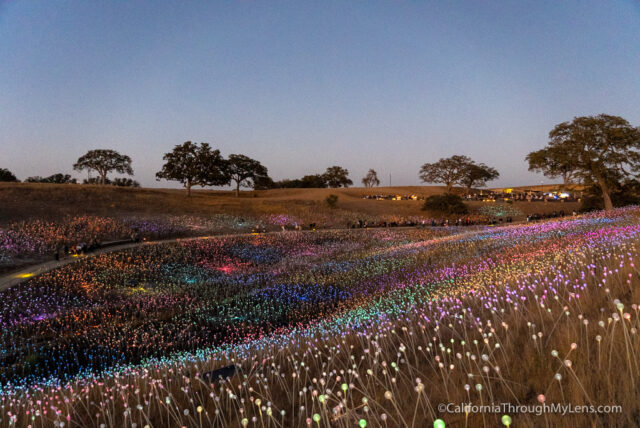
[
  {"x": 237, "y": 189},
  {"x": 103, "y": 178},
  {"x": 608, "y": 205},
  {"x": 188, "y": 186},
  {"x": 449, "y": 187}
]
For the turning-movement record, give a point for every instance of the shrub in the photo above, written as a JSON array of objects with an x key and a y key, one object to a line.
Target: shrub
[
  {"x": 332, "y": 200},
  {"x": 6, "y": 175},
  {"x": 447, "y": 203}
]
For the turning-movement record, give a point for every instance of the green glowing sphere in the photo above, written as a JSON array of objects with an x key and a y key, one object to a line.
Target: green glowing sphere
[{"x": 438, "y": 423}]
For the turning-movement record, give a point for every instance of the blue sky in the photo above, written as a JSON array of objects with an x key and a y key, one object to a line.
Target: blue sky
[{"x": 303, "y": 85}]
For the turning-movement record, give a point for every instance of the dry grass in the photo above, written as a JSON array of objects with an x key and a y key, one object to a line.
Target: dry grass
[{"x": 53, "y": 202}]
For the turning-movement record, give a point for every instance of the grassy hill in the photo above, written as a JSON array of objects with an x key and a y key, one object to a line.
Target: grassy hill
[{"x": 24, "y": 201}]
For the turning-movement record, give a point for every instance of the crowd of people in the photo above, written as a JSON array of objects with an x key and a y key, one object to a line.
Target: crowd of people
[
  {"x": 382, "y": 197},
  {"x": 534, "y": 196},
  {"x": 432, "y": 222},
  {"x": 524, "y": 196},
  {"x": 545, "y": 216}
]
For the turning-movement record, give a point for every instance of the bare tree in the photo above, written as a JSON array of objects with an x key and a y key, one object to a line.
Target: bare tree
[{"x": 371, "y": 179}]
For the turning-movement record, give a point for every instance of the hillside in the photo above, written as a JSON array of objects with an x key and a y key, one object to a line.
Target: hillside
[
  {"x": 343, "y": 328},
  {"x": 51, "y": 202}
]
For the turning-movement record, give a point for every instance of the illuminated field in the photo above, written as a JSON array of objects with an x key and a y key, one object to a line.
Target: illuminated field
[{"x": 332, "y": 328}]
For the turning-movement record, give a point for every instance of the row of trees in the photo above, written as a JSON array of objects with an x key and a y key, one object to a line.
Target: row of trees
[
  {"x": 601, "y": 152},
  {"x": 335, "y": 176},
  {"x": 200, "y": 165},
  {"x": 60, "y": 178},
  {"x": 191, "y": 164},
  {"x": 101, "y": 161}
]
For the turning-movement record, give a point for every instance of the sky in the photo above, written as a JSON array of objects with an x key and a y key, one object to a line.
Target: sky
[{"x": 304, "y": 85}]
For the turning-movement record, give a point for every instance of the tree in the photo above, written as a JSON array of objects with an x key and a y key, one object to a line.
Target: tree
[
  {"x": 314, "y": 181},
  {"x": 7, "y": 176},
  {"x": 477, "y": 175},
  {"x": 263, "y": 183},
  {"x": 332, "y": 200},
  {"x": 447, "y": 203},
  {"x": 337, "y": 176},
  {"x": 58, "y": 178},
  {"x": 287, "y": 184},
  {"x": 308, "y": 181},
  {"x": 553, "y": 162},
  {"x": 125, "y": 182},
  {"x": 371, "y": 179},
  {"x": 622, "y": 194},
  {"x": 449, "y": 171},
  {"x": 96, "y": 180},
  {"x": 245, "y": 171},
  {"x": 194, "y": 165},
  {"x": 103, "y": 162},
  {"x": 602, "y": 149}
]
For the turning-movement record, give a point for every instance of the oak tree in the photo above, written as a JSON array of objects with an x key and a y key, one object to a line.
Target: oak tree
[
  {"x": 245, "y": 171},
  {"x": 103, "y": 162},
  {"x": 194, "y": 165},
  {"x": 602, "y": 149}
]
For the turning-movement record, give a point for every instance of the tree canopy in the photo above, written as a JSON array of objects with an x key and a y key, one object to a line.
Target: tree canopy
[
  {"x": 371, "y": 179},
  {"x": 448, "y": 171},
  {"x": 308, "y": 181},
  {"x": 477, "y": 175},
  {"x": 553, "y": 162},
  {"x": 447, "y": 203},
  {"x": 103, "y": 162},
  {"x": 337, "y": 176},
  {"x": 601, "y": 149},
  {"x": 194, "y": 165},
  {"x": 58, "y": 178},
  {"x": 245, "y": 171},
  {"x": 314, "y": 181},
  {"x": 6, "y": 175},
  {"x": 458, "y": 170},
  {"x": 264, "y": 183}
]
